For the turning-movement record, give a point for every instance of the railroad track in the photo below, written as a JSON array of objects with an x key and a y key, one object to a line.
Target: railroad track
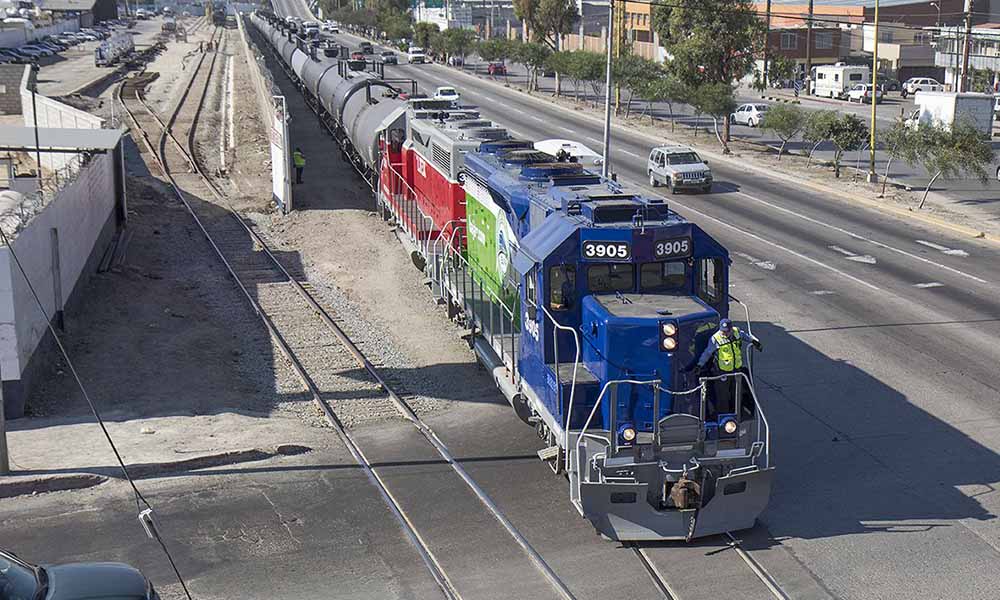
[{"x": 305, "y": 330}]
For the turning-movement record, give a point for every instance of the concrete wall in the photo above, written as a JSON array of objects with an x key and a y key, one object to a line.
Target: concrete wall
[
  {"x": 83, "y": 215},
  {"x": 52, "y": 113},
  {"x": 12, "y": 36},
  {"x": 10, "y": 88}
]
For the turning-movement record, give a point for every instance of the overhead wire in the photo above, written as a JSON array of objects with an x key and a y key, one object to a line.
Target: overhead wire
[{"x": 140, "y": 500}]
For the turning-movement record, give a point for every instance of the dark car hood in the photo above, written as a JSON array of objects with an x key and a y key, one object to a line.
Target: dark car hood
[{"x": 94, "y": 580}]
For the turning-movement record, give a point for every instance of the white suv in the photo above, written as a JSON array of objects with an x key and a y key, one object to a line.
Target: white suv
[
  {"x": 679, "y": 168},
  {"x": 921, "y": 84}
]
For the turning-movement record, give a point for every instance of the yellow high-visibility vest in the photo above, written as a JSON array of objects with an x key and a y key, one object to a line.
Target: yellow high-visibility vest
[
  {"x": 729, "y": 355},
  {"x": 298, "y": 159}
]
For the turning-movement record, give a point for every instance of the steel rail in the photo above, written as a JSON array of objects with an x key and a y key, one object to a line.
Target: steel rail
[
  {"x": 758, "y": 570},
  {"x": 435, "y": 568},
  {"x": 659, "y": 581},
  {"x": 402, "y": 407}
]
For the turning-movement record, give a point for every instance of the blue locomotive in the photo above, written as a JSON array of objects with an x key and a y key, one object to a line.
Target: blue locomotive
[{"x": 618, "y": 296}]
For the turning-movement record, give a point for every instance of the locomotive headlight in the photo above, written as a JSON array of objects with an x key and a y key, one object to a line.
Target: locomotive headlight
[
  {"x": 669, "y": 343},
  {"x": 729, "y": 426},
  {"x": 669, "y": 329},
  {"x": 628, "y": 434}
]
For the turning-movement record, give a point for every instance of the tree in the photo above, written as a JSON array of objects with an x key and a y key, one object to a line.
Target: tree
[
  {"x": 665, "y": 88},
  {"x": 547, "y": 20},
  {"x": 495, "y": 50},
  {"x": 717, "y": 101},
  {"x": 533, "y": 56},
  {"x": 817, "y": 129},
  {"x": 900, "y": 142},
  {"x": 711, "y": 41},
  {"x": 423, "y": 34},
  {"x": 561, "y": 63},
  {"x": 455, "y": 42},
  {"x": 395, "y": 25},
  {"x": 846, "y": 133},
  {"x": 633, "y": 73},
  {"x": 785, "y": 121},
  {"x": 948, "y": 153},
  {"x": 580, "y": 66}
]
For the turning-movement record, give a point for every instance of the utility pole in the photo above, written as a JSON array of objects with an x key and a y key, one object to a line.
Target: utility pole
[
  {"x": 606, "y": 165},
  {"x": 965, "y": 50},
  {"x": 809, "y": 45},
  {"x": 767, "y": 39},
  {"x": 4, "y": 460},
  {"x": 872, "y": 176}
]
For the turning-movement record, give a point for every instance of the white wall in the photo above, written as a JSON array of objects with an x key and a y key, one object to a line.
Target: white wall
[
  {"x": 79, "y": 213},
  {"x": 52, "y": 113},
  {"x": 12, "y": 36}
]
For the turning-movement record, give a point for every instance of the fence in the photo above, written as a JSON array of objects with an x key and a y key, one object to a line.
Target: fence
[{"x": 273, "y": 112}]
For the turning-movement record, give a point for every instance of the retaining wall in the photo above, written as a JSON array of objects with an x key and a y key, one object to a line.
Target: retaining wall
[
  {"x": 52, "y": 113},
  {"x": 58, "y": 248}
]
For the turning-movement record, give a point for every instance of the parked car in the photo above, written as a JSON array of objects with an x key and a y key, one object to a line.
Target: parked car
[
  {"x": 678, "y": 167},
  {"x": 389, "y": 58},
  {"x": 32, "y": 52},
  {"x": 921, "y": 84},
  {"x": 749, "y": 114},
  {"x": 496, "y": 68},
  {"x": 446, "y": 93},
  {"x": 15, "y": 56},
  {"x": 73, "y": 581},
  {"x": 862, "y": 93},
  {"x": 888, "y": 84}
]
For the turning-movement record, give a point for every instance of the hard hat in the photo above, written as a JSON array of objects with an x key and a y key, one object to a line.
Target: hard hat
[{"x": 726, "y": 325}]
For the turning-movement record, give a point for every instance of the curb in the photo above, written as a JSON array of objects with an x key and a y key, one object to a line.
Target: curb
[
  {"x": 29, "y": 485},
  {"x": 903, "y": 213}
]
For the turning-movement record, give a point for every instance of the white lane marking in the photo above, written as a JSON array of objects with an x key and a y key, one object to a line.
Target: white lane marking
[
  {"x": 841, "y": 250},
  {"x": 623, "y": 151},
  {"x": 930, "y": 284},
  {"x": 823, "y": 293},
  {"x": 763, "y": 264},
  {"x": 863, "y": 238},
  {"x": 566, "y": 129},
  {"x": 539, "y": 119},
  {"x": 944, "y": 249},
  {"x": 867, "y": 259},
  {"x": 754, "y": 236}
]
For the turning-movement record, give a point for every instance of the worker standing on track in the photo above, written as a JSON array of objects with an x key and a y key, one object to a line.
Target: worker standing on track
[{"x": 299, "y": 160}]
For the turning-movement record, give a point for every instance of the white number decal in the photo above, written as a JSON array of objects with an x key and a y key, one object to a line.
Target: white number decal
[
  {"x": 614, "y": 250},
  {"x": 680, "y": 247}
]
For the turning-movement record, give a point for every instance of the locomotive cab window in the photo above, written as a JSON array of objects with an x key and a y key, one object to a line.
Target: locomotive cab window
[
  {"x": 562, "y": 287},
  {"x": 663, "y": 275},
  {"x": 613, "y": 277},
  {"x": 710, "y": 280},
  {"x": 530, "y": 291}
]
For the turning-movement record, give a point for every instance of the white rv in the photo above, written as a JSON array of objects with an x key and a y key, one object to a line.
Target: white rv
[{"x": 834, "y": 81}]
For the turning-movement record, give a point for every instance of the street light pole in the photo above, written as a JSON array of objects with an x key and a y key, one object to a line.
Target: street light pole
[
  {"x": 606, "y": 167},
  {"x": 872, "y": 176},
  {"x": 34, "y": 116},
  {"x": 767, "y": 39}
]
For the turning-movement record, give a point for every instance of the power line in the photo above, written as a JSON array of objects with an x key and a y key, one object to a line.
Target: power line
[{"x": 139, "y": 498}]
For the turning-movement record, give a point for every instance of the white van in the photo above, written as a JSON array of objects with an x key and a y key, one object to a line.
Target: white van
[
  {"x": 416, "y": 55},
  {"x": 834, "y": 81}
]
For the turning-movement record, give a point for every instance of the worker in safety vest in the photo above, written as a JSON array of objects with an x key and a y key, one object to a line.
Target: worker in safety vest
[
  {"x": 299, "y": 160},
  {"x": 727, "y": 346}
]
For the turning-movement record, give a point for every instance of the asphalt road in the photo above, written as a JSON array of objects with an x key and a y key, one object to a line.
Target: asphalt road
[{"x": 878, "y": 380}]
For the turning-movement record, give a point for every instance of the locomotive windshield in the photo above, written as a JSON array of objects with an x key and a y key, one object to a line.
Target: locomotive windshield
[
  {"x": 663, "y": 276},
  {"x": 613, "y": 277}
]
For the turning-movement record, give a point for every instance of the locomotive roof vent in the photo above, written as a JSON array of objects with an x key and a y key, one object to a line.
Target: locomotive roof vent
[
  {"x": 499, "y": 147},
  {"x": 623, "y": 210},
  {"x": 473, "y": 123},
  {"x": 543, "y": 171}
]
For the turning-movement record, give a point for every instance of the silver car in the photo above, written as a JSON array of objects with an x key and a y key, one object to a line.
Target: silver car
[{"x": 679, "y": 168}]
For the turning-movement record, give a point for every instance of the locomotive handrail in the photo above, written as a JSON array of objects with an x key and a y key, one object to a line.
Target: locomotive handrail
[
  {"x": 576, "y": 365},
  {"x": 593, "y": 411},
  {"x": 757, "y": 406}
]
